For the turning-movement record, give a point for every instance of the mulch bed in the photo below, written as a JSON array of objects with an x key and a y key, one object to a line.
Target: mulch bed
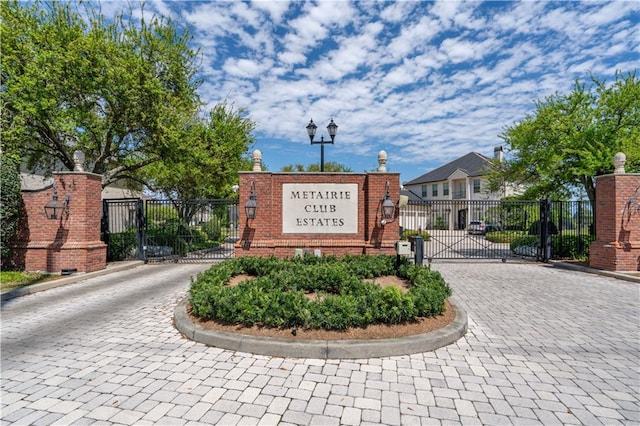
[{"x": 376, "y": 331}]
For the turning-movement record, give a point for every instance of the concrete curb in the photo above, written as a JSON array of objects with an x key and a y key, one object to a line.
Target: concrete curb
[
  {"x": 579, "y": 268},
  {"x": 35, "y": 288},
  {"x": 323, "y": 349}
]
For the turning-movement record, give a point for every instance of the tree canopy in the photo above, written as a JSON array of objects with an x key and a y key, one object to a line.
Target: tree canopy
[
  {"x": 209, "y": 154},
  {"x": 329, "y": 167},
  {"x": 571, "y": 138},
  {"x": 123, "y": 91}
]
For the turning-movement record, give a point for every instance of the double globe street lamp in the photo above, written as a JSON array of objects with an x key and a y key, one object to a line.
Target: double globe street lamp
[{"x": 332, "y": 128}]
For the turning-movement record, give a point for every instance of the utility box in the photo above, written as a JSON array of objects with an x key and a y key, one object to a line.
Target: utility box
[{"x": 403, "y": 248}]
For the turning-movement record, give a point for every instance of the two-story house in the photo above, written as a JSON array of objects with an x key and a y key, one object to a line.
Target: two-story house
[{"x": 451, "y": 195}]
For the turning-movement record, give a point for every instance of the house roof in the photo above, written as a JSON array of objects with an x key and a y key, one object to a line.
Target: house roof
[
  {"x": 35, "y": 182},
  {"x": 473, "y": 164},
  {"x": 411, "y": 195}
]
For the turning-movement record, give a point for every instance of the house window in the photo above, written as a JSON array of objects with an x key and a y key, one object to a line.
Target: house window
[
  {"x": 445, "y": 188},
  {"x": 434, "y": 189},
  {"x": 476, "y": 186},
  {"x": 424, "y": 190}
]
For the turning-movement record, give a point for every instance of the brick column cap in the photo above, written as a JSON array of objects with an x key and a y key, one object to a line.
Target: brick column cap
[
  {"x": 78, "y": 173},
  {"x": 618, "y": 175}
]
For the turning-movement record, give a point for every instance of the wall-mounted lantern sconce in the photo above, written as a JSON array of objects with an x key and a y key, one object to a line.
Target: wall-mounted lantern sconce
[
  {"x": 54, "y": 208},
  {"x": 251, "y": 206},
  {"x": 388, "y": 207}
]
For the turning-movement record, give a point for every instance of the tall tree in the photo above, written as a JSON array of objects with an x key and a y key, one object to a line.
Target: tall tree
[
  {"x": 211, "y": 151},
  {"x": 120, "y": 90},
  {"x": 329, "y": 167},
  {"x": 570, "y": 139}
]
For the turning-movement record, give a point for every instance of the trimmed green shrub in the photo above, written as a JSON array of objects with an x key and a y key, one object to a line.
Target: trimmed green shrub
[
  {"x": 574, "y": 247},
  {"x": 213, "y": 229},
  {"x": 406, "y": 233},
  {"x": 276, "y": 296},
  {"x": 10, "y": 201},
  {"x": 503, "y": 236},
  {"x": 121, "y": 245}
]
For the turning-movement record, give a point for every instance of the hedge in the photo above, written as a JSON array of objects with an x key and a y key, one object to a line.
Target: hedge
[{"x": 276, "y": 296}]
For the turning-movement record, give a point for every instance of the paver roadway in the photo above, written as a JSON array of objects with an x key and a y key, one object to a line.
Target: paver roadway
[{"x": 544, "y": 346}]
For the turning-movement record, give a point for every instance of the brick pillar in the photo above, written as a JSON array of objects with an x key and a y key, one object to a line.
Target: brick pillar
[
  {"x": 69, "y": 242},
  {"x": 381, "y": 238},
  {"x": 617, "y": 244}
]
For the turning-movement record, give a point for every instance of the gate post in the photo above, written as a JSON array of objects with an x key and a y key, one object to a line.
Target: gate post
[
  {"x": 69, "y": 239},
  {"x": 544, "y": 234},
  {"x": 140, "y": 222},
  {"x": 104, "y": 225},
  {"x": 617, "y": 243}
]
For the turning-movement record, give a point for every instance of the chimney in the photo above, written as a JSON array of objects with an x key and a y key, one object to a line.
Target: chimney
[{"x": 497, "y": 153}]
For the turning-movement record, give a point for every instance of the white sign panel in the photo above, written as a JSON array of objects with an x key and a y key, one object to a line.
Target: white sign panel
[{"x": 319, "y": 208}]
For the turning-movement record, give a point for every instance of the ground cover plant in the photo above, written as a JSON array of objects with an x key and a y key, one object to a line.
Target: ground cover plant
[
  {"x": 10, "y": 280},
  {"x": 328, "y": 293}
]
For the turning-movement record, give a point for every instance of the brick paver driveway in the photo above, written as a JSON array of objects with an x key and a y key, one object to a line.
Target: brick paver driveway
[{"x": 545, "y": 346}]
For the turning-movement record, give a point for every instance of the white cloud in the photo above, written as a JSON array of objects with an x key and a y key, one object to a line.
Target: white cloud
[
  {"x": 398, "y": 11},
  {"x": 426, "y": 81},
  {"x": 413, "y": 38},
  {"x": 245, "y": 68},
  {"x": 276, "y": 9}
]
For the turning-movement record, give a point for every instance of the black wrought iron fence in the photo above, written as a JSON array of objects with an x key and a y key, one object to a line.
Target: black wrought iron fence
[
  {"x": 190, "y": 230},
  {"x": 159, "y": 230},
  {"x": 480, "y": 229},
  {"x": 572, "y": 229},
  {"x": 122, "y": 228}
]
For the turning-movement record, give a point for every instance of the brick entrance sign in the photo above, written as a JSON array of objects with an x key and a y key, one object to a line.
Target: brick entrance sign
[
  {"x": 617, "y": 244},
  {"x": 71, "y": 241},
  {"x": 333, "y": 213}
]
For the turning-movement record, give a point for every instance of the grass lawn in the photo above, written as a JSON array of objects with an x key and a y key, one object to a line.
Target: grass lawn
[{"x": 10, "y": 280}]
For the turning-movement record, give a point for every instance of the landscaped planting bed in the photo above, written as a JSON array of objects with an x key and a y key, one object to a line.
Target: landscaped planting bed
[{"x": 327, "y": 293}]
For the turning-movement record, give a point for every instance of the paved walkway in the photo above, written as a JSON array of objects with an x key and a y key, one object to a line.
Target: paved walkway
[{"x": 545, "y": 346}]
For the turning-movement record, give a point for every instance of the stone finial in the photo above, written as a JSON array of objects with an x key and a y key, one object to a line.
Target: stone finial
[
  {"x": 618, "y": 162},
  {"x": 382, "y": 161},
  {"x": 257, "y": 161},
  {"x": 78, "y": 161}
]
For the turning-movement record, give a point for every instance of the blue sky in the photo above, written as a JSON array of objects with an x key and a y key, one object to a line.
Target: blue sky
[{"x": 425, "y": 81}]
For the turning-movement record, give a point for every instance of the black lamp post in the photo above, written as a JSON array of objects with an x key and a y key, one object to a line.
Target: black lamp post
[{"x": 332, "y": 128}]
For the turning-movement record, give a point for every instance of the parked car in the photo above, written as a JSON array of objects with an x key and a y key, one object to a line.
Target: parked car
[
  {"x": 476, "y": 227},
  {"x": 479, "y": 227}
]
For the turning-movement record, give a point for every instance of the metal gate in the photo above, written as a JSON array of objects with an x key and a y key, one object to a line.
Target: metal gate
[
  {"x": 123, "y": 228},
  {"x": 474, "y": 229},
  {"x": 167, "y": 230}
]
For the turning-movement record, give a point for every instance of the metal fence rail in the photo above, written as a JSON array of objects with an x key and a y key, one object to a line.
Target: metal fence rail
[
  {"x": 201, "y": 230},
  {"x": 166, "y": 230},
  {"x": 190, "y": 230},
  {"x": 574, "y": 229},
  {"x": 476, "y": 229},
  {"x": 122, "y": 228}
]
